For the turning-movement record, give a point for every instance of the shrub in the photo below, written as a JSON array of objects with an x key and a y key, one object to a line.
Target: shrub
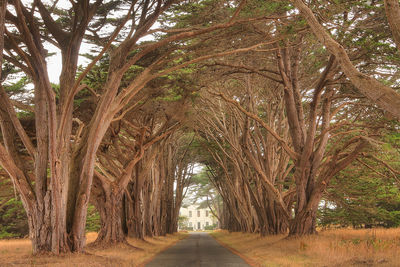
[
  {"x": 13, "y": 220},
  {"x": 93, "y": 219}
]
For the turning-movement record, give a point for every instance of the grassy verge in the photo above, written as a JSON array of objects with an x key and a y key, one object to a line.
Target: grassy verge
[
  {"x": 19, "y": 253},
  {"x": 343, "y": 247}
]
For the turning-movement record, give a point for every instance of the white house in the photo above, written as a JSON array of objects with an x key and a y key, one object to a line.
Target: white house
[{"x": 197, "y": 218}]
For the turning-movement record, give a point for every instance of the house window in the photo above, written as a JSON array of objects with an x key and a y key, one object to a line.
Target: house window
[
  {"x": 198, "y": 225},
  {"x": 207, "y": 224},
  {"x": 206, "y": 213},
  {"x": 190, "y": 224},
  {"x": 198, "y": 213},
  {"x": 190, "y": 213}
]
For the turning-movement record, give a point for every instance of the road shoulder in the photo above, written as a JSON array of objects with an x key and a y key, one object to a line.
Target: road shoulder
[{"x": 248, "y": 260}]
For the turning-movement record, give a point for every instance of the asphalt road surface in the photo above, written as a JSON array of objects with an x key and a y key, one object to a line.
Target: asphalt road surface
[{"x": 198, "y": 249}]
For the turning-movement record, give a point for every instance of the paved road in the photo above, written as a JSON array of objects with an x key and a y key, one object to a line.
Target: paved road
[{"x": 198, "y": 249}]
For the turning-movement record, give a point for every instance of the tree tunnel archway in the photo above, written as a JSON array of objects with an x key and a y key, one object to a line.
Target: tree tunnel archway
[{"x": 244, "y": 88}]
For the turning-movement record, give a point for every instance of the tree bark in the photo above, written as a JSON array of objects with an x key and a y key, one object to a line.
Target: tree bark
[
  {"x": 135, "y": 216},
  {"x": 304, "y": 223},
  {"x": 111, "y": 230},
  {"x": 392, "y": 8},
  {"x": 40, "y": 226},
  {"x": 108, "y": 201}
]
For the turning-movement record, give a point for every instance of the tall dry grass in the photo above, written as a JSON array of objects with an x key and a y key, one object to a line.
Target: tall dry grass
[
  {"x": 19, "y": 253},
  {"x": 341, "y": 247}
]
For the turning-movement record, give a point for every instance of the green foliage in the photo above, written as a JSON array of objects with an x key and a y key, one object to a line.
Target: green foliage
[
  {"x": 200, "y": 188},
  {"x": 25, "y": 114},
  {"x": 97, "y": 76},
  {"x": 265, "y": 8},
  {"x": 92, "y": 220},
  {"x": 202, "y": 13},
  {"x": 13, "y": 220},
  {"x": 172, "y": 95},
  {"x": 392, "y": 141},
  {"x": 358, "y": 197},
  {"x": 183, "y": 222},
  {"x": 18, "y": 86},
  {"x": 210, "y": 227}
]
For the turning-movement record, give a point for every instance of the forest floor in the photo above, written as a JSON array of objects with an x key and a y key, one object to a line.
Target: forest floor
[
  {"x": 18, "y": 252},
  {"x": 339, "y": 247}
]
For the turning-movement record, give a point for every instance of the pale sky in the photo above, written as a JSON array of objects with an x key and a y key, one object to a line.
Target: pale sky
[{"x": 54, "y": 64}]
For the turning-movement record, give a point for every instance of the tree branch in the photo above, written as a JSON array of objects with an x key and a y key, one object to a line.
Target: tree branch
[
  {"x": 392, "y": 9},
  {"x": 17, "y": 124},
  {"x": 385, "y": 97},
  {"x": 285, "y": 146}
]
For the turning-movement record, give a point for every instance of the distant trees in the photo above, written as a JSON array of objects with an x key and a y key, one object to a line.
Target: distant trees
[
  {"x": 367, "y": 193},
  {"x": 237, "y": 144},
  {"x": 360, "y": 197}
]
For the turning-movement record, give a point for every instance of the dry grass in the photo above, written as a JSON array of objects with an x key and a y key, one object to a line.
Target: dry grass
[
  {"x": 19, "y": 253},
  {"x": 344, "y": 247}
]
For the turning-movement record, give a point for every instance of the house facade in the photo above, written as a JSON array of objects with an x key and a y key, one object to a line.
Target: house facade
[{"x": 197, "y": 219}]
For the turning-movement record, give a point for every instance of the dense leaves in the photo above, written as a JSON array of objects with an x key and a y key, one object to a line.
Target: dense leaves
[{"x": 360, "y": 198}]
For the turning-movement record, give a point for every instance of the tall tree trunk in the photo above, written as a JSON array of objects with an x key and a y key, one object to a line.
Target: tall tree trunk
[
  {"x": 147, "y": 210},
  {"x": 40, "y": 226},
  {"x": 135, "y": 218},
  {"x": 277, "y": 220}
]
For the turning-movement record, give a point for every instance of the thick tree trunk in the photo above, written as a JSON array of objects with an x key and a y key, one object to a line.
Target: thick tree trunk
[
  {"x": 135, "y": 217},
  {"x": 40, "y": 228},
  {"x": 277, "y": 221},
  {"x": 134, "y": 202},
  {"x": 111, "y": 230},
  {"x": 147, "y": 211},
  {"x": 109, "y": 205},
  {"x": 304, "y": 223}
]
